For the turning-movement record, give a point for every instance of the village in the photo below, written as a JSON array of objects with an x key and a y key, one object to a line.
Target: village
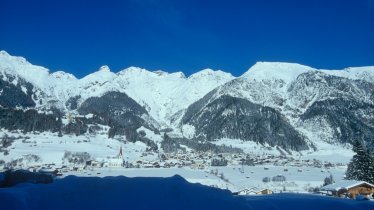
[
  {"x": 212, "y": 165},
  {"x": 184, "y": 159}
]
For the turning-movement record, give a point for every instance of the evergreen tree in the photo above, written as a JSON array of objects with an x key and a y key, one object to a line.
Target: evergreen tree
[
  {"x": 361, "y": 166},
  {"x": 328, "y": 180},
  {"x": 169, "y": 145}
]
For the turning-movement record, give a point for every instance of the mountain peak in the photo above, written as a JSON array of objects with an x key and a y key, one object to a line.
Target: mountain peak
[
  {"x": 204, "y": 72},
  {"x": 278, "y": 65},
  {"x": 64, "y": 75},
  {"x": 276, "y": 70},
  {"x": 104, "y": 68},
  {"x": 5, "y": 57},
  {"x": 4, "y": 53},
  {"x": 209, "y": 73},
  {"x": 102, "y": 75},
  {"x": 161, "y": 73},
  {"x": 178, "y": 74},
  {"x": 133, "y": 69}
]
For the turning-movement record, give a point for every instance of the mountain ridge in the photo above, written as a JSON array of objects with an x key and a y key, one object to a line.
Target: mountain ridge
[{"x": 292, "y": 92}]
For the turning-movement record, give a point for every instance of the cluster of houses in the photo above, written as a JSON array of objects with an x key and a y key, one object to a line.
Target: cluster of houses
[
  {"x": 202, "y": 160},
  {"x": 191, "y": 159},
  {"x": 349, "y": 189},
  {"x": 344, "y": 189},
  {"x": 253, "y": 191}
]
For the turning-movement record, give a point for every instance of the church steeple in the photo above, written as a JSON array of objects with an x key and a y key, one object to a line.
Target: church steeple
[{"x": 120, "y": 152}]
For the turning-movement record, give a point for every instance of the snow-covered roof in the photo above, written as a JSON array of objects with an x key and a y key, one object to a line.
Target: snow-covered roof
[{"x": 344, "y": 184}]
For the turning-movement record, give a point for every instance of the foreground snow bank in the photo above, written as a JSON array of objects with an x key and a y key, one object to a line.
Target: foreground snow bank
[
  {"x": 118, "y": 193},
  {"x": 154, "y": 193}
]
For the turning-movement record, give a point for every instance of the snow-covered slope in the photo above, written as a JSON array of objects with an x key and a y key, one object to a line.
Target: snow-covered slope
[
  {"x": 162, "y": 93},
  {"x": 20, "y": 66},
  {"x": 166, "y": 93},
  {"x": 323, "y": 105},
  {"x": 364, "y": 73},
  {"x": 286, "y": 72},
  {"x": 156, "y": 193},
  {"x": 269, "y": 83},
  {"x": 49, "y": 89}
]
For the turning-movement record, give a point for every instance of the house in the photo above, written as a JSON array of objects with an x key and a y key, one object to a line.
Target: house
[
  {"x": 349, "y": 188},
  {"x": 250, "y": 191},
  {"x": 94, "y": 163},
  {"x": 265, "y": 192}
]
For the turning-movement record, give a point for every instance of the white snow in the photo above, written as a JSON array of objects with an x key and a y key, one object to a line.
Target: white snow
[
  {"x": 365, "y": 73},
  {"x": 162, "y": 93},
  {"x": 249, "y": 147},
  {"x": 167, "y": 93},
  {"x": 156, "y": 193},
  {"x": 276, "y": 70},
  {"x": 188, "y": 131}
]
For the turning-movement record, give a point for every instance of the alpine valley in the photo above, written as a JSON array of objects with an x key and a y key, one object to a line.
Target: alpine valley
[{"x": 277, "y": 109}]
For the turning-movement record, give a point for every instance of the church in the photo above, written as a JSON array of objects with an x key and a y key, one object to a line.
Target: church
[{"x": 116, "y": 161}]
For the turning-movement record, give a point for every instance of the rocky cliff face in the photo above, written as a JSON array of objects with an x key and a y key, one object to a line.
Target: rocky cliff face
[
  {"x": 347, "y": 120},
  {"x": 15, "y": 94},
  {"x": 118, "y": 109},
  {"x": 237, "y": 118}
]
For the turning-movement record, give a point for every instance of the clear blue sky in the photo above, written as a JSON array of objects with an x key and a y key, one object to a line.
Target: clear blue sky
[{"x": 175, "y": 35}]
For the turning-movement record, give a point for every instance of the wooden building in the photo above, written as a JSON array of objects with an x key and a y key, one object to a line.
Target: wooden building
[
  {"x": 350, "y": 188},
  {"x": 265, "y": 192},
  {"x": 250, "y": 191}
]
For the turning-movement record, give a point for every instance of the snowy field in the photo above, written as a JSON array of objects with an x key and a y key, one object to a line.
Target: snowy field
[
  {"x": 326, "y": 152},
  {"x": 156, "y": 193},
  {"x": 297, "y": 179},
  {"x": 51, "y": 150}
]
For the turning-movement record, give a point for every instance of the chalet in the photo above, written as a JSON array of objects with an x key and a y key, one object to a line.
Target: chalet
[
  {"x": 349, "y": 188},
  {"x": 250, "y": 191},
  {"x": 265, "y": 192}
]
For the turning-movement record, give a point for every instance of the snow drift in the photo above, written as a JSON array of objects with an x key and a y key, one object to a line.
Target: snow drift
[{"x": 154, "y": 193}]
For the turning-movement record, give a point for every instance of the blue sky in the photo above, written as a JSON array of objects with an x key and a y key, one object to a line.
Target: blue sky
[{"x": 79, "y": 37}]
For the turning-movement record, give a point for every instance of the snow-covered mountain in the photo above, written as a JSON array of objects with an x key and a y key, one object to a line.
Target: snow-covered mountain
[
  {"x": 279, "y": 104},
  {"x": 161, "y": 93},
  {"x": 291, "y": 103}
]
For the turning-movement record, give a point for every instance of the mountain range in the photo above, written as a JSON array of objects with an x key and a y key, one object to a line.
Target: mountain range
[{"x": 286, "y": 105}]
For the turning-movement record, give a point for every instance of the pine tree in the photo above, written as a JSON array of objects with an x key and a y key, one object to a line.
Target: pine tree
[
  {"x": 361, "y": 166},
  {"x": 328, "y": 180}
]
